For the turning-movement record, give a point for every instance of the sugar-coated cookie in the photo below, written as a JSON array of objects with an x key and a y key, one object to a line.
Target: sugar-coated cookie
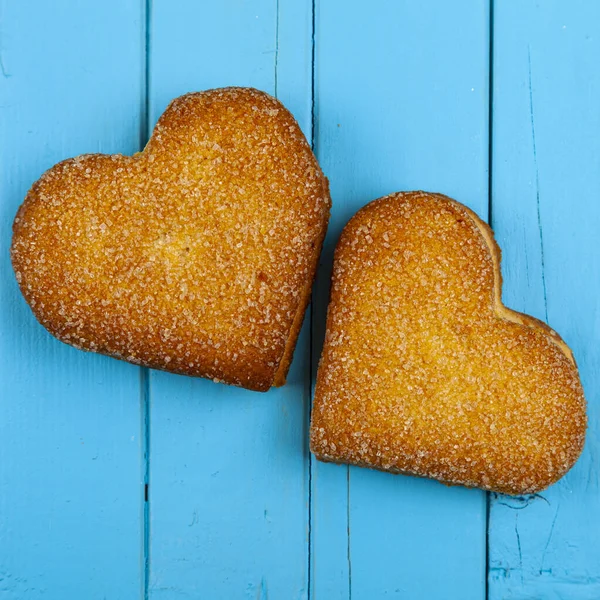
[
  {"x": 425, "y": 371},
  {"x": 195, "y": 256}
]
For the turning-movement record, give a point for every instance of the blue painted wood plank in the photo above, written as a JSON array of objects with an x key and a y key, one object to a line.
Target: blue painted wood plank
[
  {"x": 229, "y": 467},
  {"x": 401, "y": 103},
  {"x": 70, "y": 456},
  {"x": 546, "y": 186}
]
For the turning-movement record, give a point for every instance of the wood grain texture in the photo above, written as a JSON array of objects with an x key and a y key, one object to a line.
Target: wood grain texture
[
  {"x": 546, "y": 184},
  {"x": 70, "y": 461},
  {"x": 228, "y": 467},
  {"x": 401, "y": 103}
]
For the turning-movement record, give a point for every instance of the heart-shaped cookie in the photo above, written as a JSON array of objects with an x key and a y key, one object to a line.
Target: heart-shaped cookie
[
  {"x": 194, "y": 256},
  {"x": 425, "y": 372}
]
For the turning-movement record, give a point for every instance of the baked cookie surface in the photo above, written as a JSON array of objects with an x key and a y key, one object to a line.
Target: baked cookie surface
[
  {"x": 194, "y": 256},
  {"x": 425, "y": 372}
]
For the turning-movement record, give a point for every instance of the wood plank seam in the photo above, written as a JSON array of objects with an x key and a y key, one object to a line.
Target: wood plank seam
[
  {"x": 276, "y": 61},
  {"x": 490, "y": 222},
  {"x": 348, "y": 547},
  {"x": 145, "y": 128},
  {"x": 145, "y": 461},
  {"x": 311, "y": 342}
]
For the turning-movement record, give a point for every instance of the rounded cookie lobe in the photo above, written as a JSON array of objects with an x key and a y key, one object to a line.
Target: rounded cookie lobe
[
  {"x": 425, "y": 372},
  {"x": 194, "y": 256}
]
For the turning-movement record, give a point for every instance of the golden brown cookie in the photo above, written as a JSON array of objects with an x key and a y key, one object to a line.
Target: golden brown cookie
[
  {"x": 425, "y": 371},
  {"x": 195, "y": 256}
]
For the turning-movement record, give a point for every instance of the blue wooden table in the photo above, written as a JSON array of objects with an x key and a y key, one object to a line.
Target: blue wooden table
[{"x": 117, "y": 482}]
